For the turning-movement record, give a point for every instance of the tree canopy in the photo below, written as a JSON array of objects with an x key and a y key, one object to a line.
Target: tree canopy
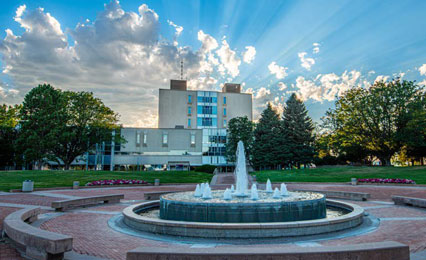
[{"x": 239, "y": 128}]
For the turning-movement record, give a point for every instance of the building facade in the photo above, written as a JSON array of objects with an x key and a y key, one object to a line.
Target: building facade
[{"x": 191, "y": 131}]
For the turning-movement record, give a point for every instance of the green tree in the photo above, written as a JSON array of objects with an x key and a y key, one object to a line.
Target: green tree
[
  {"x": 41, "y": 118},
  {"x": 265, "y": 150},
  {"x": 374, "y": 118},
  {"x": 88, "y": 121},
  {"x": 239, "y": 128},
  {"x": 297, "y": 133},
  {"x": 9, "y": 117}
]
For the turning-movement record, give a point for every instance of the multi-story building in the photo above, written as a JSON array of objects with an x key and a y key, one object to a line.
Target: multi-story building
[
  {"x": 207, "y": 110},
  {"x": 191, "y": 131}
]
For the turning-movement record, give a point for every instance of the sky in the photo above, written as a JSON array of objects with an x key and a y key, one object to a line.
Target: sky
[{"x": 125, "y": 51}]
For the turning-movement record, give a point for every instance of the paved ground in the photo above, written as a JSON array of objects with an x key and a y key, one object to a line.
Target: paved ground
[{"x": 92, "y": 235}]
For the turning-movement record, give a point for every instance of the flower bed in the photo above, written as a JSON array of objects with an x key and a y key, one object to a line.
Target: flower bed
[
  {"x": 115, "y": 182},
  {"x": 379, "y": 180}
]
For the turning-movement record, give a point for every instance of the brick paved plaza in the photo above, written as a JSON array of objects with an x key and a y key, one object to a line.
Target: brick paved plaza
[{"x": 93, "y": 236}]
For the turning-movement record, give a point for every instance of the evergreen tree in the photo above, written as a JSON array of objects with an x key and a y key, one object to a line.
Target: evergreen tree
[
  {"x": 297, "y": 130},
  {"x": 265, "y": 151},
  {"x": 239, "y": 128}
]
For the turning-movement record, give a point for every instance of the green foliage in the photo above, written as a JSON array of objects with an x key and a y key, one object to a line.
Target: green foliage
[
  {"x": 9, "y": 117},
  {"x": 297, "y": 132},
  {"x": 265, "y": 152},
  {"x": 60, "y": 126},
  {"x": 49, "y": 179},
  {"x": 372, "y": 121},
  {"x": 343, "y": 174},
  {"x": 207, "y": 168},
  {"x": 42, "y": 116},
  {"x": 88, "y": 121},
  {"x": 239, "y": 129}
]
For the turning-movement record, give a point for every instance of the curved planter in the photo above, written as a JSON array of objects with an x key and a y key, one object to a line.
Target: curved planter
[{"x": 242, "y": 230}]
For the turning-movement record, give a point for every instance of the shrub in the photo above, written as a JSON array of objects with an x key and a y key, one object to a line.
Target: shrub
[{"x": 207, "y": 168}]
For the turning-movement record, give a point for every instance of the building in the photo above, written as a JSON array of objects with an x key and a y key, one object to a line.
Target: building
[{"x": 191, "y": 131}]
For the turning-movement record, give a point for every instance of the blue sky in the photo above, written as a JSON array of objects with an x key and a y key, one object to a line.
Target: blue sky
[{"x": 317, "y": 49}]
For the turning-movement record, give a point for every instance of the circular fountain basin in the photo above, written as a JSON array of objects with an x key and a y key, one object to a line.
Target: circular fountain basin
[
  {"x": 146, "y": 223},
  {"x": 296, "y": 206}
]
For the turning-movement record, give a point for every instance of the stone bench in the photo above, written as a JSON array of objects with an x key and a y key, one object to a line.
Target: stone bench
[
  {"x": 34, "y": 242},
  {"x": 349, "y": 195},
  {"x": 155, "y": 195},
  {"x": 415, "y": 202},
  {"x": 80, "y": 202},
  {"x": 388, "y": 250}
]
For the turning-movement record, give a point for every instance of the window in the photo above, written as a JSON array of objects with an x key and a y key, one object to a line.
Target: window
[
  {"x": 224, "y": 123},
  {"x": 192, "y": 139},
  {"x": 145, "y": 138},
  {"x": 138, "y": 138},
  {"x": 189, "y": 110},
  {"x": 224, "y": 100},
  {"x": 165, "y": 137},
  {"x": 189, "y": 122},
  {"x": 190, "y": 99},
  {"x": 224, "y": 111}
]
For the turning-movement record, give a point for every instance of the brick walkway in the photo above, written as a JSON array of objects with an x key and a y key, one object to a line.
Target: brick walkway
[{"x": 92, "y": 235}]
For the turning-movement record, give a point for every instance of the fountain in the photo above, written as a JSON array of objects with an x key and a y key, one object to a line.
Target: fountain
[{"x": 239, "y": 212}]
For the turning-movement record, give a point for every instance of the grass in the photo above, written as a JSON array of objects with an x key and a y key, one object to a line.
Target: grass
[
  {"x": 48, "y": 179},
  {"x": 343, "y": 174}
]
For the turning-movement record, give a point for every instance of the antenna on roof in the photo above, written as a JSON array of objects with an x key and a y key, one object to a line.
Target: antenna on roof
[{"x": 181, "y": 69}]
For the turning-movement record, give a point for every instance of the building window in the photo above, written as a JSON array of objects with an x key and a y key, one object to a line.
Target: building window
[
  {"x": 138, "y": 138},
  {"x": 145, "y": 139},
  {"x": 224, "y": 123},
  {"x": 189, "y": 111},
  {"x": 165, "y": 139},
  {"x": 224, "y": 111},
  {"x": 224, "y": 100},
  {"x": 192, "y": 139},
  {"x": 190, "y": 99},
  {"x": 189, "y": 122}
]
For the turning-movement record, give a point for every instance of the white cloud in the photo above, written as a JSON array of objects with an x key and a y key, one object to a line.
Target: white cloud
[
  {"x": 178, "y": 31},
  {"x": 422, "y": 70},
  {"x": 262, "y": 93},
  {"x": 119, "y": 56},
  {"x": 229, "y": 60},
  {"x": 282, "y": 86},
  {"x": 249, "y": 54},
  {"x": 306, "y": 63},
  {"x": 381, "y": 78},
  {"x": 279, "y": 71},
  {"x": 327, "y": 86},
  {"x": 315, "y": 48}
]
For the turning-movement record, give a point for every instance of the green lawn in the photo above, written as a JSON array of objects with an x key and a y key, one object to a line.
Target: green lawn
[
  {"x": 46, "y": 179},
  {"x": 343, "y": 174}
]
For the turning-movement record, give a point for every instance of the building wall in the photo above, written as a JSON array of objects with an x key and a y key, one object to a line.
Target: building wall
[{"x": 173, "y": 108}]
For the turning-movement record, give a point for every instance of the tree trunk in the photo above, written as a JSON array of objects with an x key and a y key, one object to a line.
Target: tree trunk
[{"x": 67, "y": 166}]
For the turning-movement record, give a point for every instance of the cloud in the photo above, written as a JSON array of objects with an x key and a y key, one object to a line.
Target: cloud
[
  {"x": 327, "y": 86},
  {"x": 381, "y": 78},
  {"x": 315, "y": 48},
  {"x": 282, "y": 86},
  {"x": 120, "y": 56},
  {"x": 422, "y": 70},
  {"x": 178, "y": 31},
  {"x": 262, "y": 93},
  {"x": 249, "y": 54},
  {"x": 279, "y": 71},
  {"x": 229, "y": 60},
  {"x": 306, "y": 63}
]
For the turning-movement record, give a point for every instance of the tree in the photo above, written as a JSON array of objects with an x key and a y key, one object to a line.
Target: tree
[
  {"x": 239, "y": 128},
  {"x": 297, "y": 133},
  {"x": 88, "y": 121},
  {"x": 374, "y": 118},
  {"x": 265, "y": 149},
  {"x": 9, "y": 117},
  {"x": 41, "y": 118}
]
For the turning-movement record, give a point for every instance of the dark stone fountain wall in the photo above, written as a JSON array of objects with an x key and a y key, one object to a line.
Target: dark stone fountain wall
[{"x": 281, "y": 211}]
